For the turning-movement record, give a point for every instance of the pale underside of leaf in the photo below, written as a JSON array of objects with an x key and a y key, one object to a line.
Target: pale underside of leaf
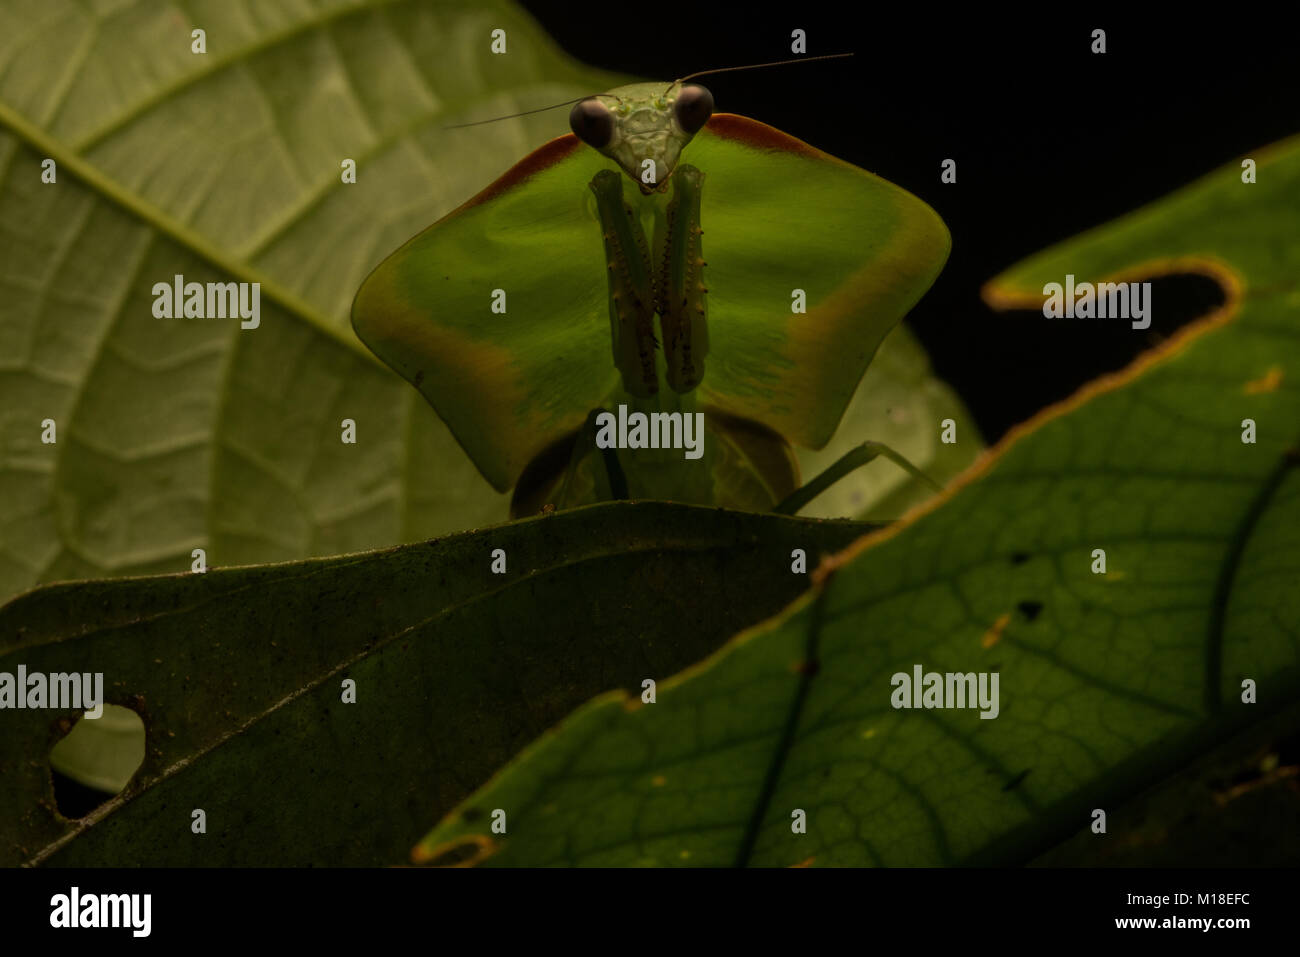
[{"x": 183, "y": 434}]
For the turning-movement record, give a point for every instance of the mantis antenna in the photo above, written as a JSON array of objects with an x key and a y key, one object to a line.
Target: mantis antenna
[
  {"x": 725, "y": 69},
  {"x": 759, "y": 66}
]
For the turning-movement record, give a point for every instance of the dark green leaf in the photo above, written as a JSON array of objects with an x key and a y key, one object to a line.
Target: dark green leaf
[{"x": 238, "y": 675}]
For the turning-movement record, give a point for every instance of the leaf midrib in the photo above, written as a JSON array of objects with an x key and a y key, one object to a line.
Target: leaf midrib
[
  {"x": 173, "y": 229},
  {"x": 70, "y": 156},
  {"x": 1234, "y": 548}
]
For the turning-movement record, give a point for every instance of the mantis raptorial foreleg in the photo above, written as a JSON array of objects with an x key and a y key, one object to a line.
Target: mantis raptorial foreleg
[
  {"x": 680, "y": 299},
  {"x": 670, "y": 284},
  {"x": 631, "y": 286}
]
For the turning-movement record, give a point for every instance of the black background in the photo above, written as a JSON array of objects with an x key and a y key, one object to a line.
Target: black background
[
  {"x": 1007, "y": 911},
  {"x": 1049, "y": 138}
]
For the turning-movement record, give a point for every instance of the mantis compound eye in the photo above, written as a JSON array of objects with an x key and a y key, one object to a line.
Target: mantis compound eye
[
  {"x": 693, "y": 108},
  {"x": 592, "y": 122}
]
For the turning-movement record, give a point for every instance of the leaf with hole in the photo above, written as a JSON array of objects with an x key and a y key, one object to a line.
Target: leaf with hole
[
  {"x": 180, "y": 434},
  {"x": 238, "y": 675}
]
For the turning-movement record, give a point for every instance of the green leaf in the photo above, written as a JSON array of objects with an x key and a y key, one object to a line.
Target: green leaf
[
  {"x": 1108, "y": 682},
  {"x": 238, "y": 675},
  {"x": 226, "y": 166}
]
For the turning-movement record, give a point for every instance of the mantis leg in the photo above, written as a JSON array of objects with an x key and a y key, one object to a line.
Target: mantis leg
[
  {"x": 611, "y": 482},
  {"x": 680, "y": 289},
  {"x": 631, "y": 286},
  {"x": 671, "y": 284},
  {"x": 854, "y": 458},
  {"x": 571, "y": 471}
]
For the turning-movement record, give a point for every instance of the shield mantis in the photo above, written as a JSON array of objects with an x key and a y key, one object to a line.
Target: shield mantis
[{"x": 654, "y": 306}]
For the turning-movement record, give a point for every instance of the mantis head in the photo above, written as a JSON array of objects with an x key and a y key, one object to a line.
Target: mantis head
[{"x": 643, "y": 127}]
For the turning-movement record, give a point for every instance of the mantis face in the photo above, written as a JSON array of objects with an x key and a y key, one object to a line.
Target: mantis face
[{"x": 643, "y": 127}]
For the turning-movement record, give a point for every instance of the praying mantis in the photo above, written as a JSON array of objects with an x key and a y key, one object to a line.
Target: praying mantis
[{"x": 670, "y": 264}]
